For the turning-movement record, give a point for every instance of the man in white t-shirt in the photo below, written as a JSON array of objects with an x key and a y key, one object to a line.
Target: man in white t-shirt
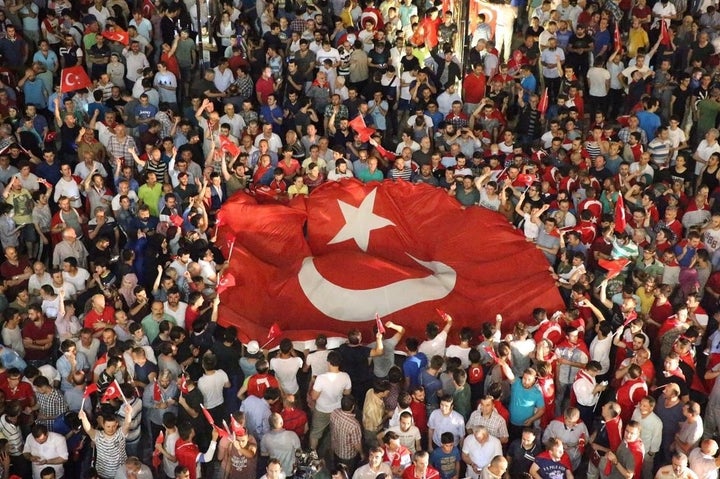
[
  {"x": 327, "y": 391},
  {"x": 174, "y": 307},
  {"x": 317, "y": 360},
  {"x": 707, "y": 147},
  {"x": 436, "y": 340},
  {"x": 211, "y": 385},
  {"x": 46, "y": 448},
  {"x": 286, "y": 366}
]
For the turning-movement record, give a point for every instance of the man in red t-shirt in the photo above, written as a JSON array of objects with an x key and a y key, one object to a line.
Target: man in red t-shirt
[
  {"x": 15, "y": 271},
  {"x": 265, "y": 86},
  {"x": 420, "y": 468},
  {"x": 258, "y": 383},
  {"x": 100, "y": 316},
  {"x": 15, "y": 389},
  {"x": 187, "y": 452},
  {"x": 38, "y": 335}
]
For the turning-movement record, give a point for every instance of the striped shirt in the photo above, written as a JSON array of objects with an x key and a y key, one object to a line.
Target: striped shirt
[
  {"x": 12, "y": 433},
  {"x": 110, "y": 453},
  {"x": 659, "y": 151}
]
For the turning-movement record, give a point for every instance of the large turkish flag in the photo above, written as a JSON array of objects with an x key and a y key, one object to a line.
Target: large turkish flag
[{"x": 330, "y": 262}]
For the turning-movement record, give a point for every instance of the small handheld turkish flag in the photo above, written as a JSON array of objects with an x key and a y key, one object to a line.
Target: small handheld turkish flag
[
  {"x": 148, "y": 8},
  {"x": 229, "y": 146},
  {"x": 380, "y": 326},
  {"x": 358, "y": 124},
  {"x": 157, "y": 392},
  {"x": 207, "y": 415},
  {"x": 227, "y": 280},
  {"x": 112, "y": 392},
  {"x": 237, "y": 428},
  {"x": 526, "y": 179},
  {"x": 544, "y": 102},
  {"x": 620, "y": 221},
  {"x": 664, "y": 33},
  {"x": 90, "y": 389},
  {"x": 156, "y": 460},
  {"x": 275, "y": 331},
  {"x": 617, "y": 35},
  {"x": 221, "y": 432},
  {"x": 614, "y": 266},
  {"x": 183, "y": 385},
  {"x": 117, "y": 35},
  {"x": 74, "y": 78}
]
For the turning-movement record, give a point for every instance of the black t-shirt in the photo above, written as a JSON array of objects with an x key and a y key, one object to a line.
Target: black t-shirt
[
  {"x": 522, "y": 458},
  {"x": 355, "y": 362},
  {"x": 409, "y": 64},
  {"x": 680, "y": 105},
  {"x": 228, "y": 357},
  {"x": 579, "y": 42},
  {"x": 67, "y": 138}
]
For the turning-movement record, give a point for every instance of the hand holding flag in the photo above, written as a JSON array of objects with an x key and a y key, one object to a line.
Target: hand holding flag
[
  {"x": 157, "y": 392},
  {"x": 208, "y": 416},
  {"x": 156, "y": 459},
  {"x": 380, "y": 326}
]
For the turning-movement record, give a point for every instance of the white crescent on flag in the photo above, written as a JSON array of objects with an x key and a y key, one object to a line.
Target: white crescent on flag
[
  {"x": 347, "y": 304},
  {"x": 71, "y": 79}
]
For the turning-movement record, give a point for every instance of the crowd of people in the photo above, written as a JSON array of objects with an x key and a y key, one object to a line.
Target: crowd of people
[{"x": 591, "y": 126}]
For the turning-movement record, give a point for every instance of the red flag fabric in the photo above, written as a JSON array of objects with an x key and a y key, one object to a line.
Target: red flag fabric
[
  {"x": 228, "y": 146},
  {"x": 613, "y": 266},
  {"x": 441, "y": 313},
  {"x": 183, "y": 385},
  {"x": 117, "y": 35},
  {"x": 236, "y": 427},
  {"x": 491, "y": 352},
  {"x": 157, "y": 392},
  {"x": 274, "y": 331},
  {"x": 227, "y": 280},
  {"x": 664, "y": 34},
  {"x": 207, "y": 415},
  {"x": 526, "y": 179},
  {"x": 331, "y": 261},
  {"x": 147, "y": 9},
  {"x": 620, "y": 221},
  {"x": 358, "y": 124},
  {"x": 74, "y": 78},
  {"x": 380, "y": 325},
  {"x": 112, "y": 392},
  {"x": 90, "y": 389},
  {"x": 221, "y": 432},
  {"x": 544, "y": 102},
  {"x": 156, "y": 458},
  {"x": 616, "y": 36},
  {"x": 176, "y": 220}
]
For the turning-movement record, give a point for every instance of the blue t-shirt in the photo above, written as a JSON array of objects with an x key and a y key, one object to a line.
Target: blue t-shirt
[
  {"x": 445, "y": 463},
  {"x": 412, "y": 367},
  {"x": 523, "y": 402}
]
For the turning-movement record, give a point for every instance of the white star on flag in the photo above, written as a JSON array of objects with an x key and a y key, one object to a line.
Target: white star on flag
[{"x": 359, "y": 222}]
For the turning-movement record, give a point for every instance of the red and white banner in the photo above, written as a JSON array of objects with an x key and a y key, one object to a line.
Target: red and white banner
[
  {"x": 331, "y": 262},
  {"x": 74, "y": 78}
]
